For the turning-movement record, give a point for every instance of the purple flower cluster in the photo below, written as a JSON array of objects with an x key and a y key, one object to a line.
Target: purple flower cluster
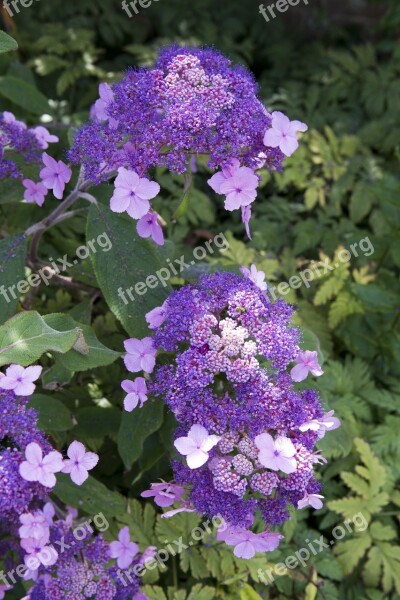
[
  {"x": 18, "y": 428},
  {"x": 16, "y": 138},
  {"x": 66, "y": 558},
  {"x": 192, "y": 102},
  {"x": 246, "y": 433}
]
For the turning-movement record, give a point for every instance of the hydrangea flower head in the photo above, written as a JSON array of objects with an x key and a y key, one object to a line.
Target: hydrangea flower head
[
  {"x": 192, "y": 102},
  {"x": 245, "y": 433}
]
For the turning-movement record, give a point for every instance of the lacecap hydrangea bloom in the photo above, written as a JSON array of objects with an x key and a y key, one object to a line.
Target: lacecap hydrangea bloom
[
  {"x": 246, "y": 436},
  {"x": 192, "y": 102}
]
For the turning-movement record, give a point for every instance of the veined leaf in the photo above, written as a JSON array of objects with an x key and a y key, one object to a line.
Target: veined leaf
[{"x": 26, "y": 336}]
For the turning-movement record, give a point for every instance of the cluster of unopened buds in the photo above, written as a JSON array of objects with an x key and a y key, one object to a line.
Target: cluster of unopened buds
[{"x": 246, "y": 434}]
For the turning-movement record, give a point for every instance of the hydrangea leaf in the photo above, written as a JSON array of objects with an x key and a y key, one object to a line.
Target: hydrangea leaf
[
  {"x": 92, "y": 496},
  {"x": 12, "y": 271},
  {"x": 53, "y": 414},
  {"x": 7, "y": 43},
  {"x": 130, "y": 262},
  {"x": 136, "y": 427},
  {"x": 26, "y": 336}
]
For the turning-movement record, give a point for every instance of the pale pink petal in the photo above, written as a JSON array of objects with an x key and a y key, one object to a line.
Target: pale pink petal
[
  {"x": 90, "y": 460},
  {"x": 131, "y": 401},
  {"x": 32, "y": 373},
  {"x": 132, "y": 363},
  {"x": 196, "y": 459},
  {"x": 79, "y": 474},
  {"x": 128, "y": 386},
  {"x": 138, "y": 207},
  {"x": 76, "y": 451},
  {"x": 8, "y": 383},
  {"x": 280, "y": 121},
  {"x": 185, "y": 445},
  {"x": 124, "y": 560},
  {"x": 285, "y": 446},
  {"x": 118, "y": 204},
  {"x": 210, "y": 442},
  {"x": 133, "y": 346},
  {"x": 315, "y": 501},
  {"x": 288, "y": 145},
  {"x": 216, "y": 181},
  {"x": 148, "y": 345},
  {"x": 128, "y": 179},
  {"x": 285, "y": 464},
  {"x": 146, "y": 190},
  {"x": 24, "y": 388},
  {"x": 53, "y": 462},
  {"x": 58, "y": 189},
  {"x": 34, "y": 454},
  {"x": 28, "y": 472},
  {"x": 198, "y": 434},
  {"x": 299, "y": 373},
  {"x": 115, "y": 549},
  {"x": 264, "y": 442},
  {"x": 175, "y": 511},
  {"x": 47, "y": 479},
  {"x": 148, "y": 363},
  {"x": 296, "y": 126},
  {"x": 49, "y": 161},
  {"x": 244, "y": 550},
  {"x": 67, "y": 466},
  {"x": 272, "y": 138},
  {"x": 124, "y": 536},
  {"x": 15, "y": 371}
]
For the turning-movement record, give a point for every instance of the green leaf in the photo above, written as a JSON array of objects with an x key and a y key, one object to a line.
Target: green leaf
[
  {"x": 95, "y": 422},
  {"x": 26, "y": 336},
  {"x": 7, "y": 43},
  {"x": 131, "y": 261},
  {"x": 136, "y": 426},
  {"x": 350, "y": 552},
  {"x": 375, "y": 298},
  {"x": 89, "y": 353},
  {"x": 199, "y": 592},
  {"x": 92, "y": 496},
  {"x": 53, "y": 414},
  {"x": 361, "y": 201},
  {"x": 12, "y": 271},
  {"x": 23, "y": 94}
]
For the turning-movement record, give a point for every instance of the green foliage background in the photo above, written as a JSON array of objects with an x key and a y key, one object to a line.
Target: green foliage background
[{"x": 335, "y": 66}]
